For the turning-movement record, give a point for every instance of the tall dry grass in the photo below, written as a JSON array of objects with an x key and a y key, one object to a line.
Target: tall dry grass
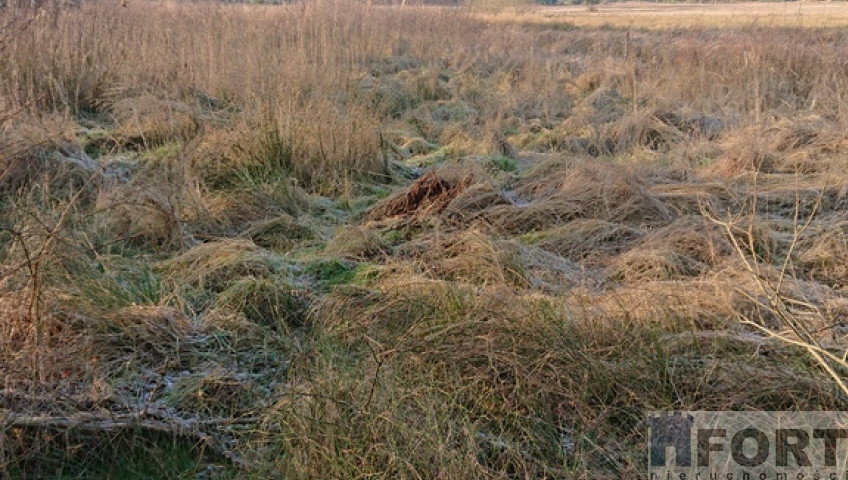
[
  {"x": 304, "y": 73},
  {"x": 291, "y": 71}
]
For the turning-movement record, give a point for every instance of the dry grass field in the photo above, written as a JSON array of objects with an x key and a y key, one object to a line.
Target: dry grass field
[
  {"x": 795, "y": 14},
  {"x": 329, "y": 240}
]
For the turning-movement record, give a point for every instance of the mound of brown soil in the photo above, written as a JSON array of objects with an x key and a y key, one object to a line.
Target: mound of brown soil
[{"x": 429, "y": 195}]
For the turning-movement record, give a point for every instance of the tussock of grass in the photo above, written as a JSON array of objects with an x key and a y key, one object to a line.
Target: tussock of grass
[
  {"x": 789, "y": 145},
  {"x": 479, "y": 196},
  {"x": 219, "y": 155},
  {"x": 564, "y": 190},
  {"x": 643, "y": 129},
  {"x": 25, "y": 146},
  {"x": 688, "y": 247},
  {"x": 149, "y": 121},
  {"x": 470, "y": 257},
  {"x": 152, "y": 209},
  {"x": 218, "y": 393},
  {"x": 357, "y": 242},
  {"x": 151, "y": 335},
  {"x": 281, "y": 233},
  {"x": 585, "y": 240},
  {"x": 213, "y": 265},
  {"x": 267, "y": 302},
  {"x": 236, "y": 274},
  {"x": 231, "y": 212},
  {"x": 823, "y": 252},
  {"x": 673, "y": 306},
  {"x": 685, "y": 198},
  {"x": 655, "y": 264},
  {"x": 121, "y": 284},
  {"x": 749, "y": 151}
]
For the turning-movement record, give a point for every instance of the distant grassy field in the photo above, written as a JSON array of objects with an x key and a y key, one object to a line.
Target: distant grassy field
[
  {"x": 331, "y": 240},
  {"x": 686, "y": 15}
]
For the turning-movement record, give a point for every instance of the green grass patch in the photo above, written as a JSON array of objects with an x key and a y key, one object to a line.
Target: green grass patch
[
  {"x": 125, "y": 455},
  {"x": 503, "y": 164},
  {"x": 341, "y": 272},
  {"x": 265, "y": 301},
  {"x": 122, "y": 285}
]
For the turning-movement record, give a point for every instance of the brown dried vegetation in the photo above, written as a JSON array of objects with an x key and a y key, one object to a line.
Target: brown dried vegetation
[{"x": 313, "y": 241}]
